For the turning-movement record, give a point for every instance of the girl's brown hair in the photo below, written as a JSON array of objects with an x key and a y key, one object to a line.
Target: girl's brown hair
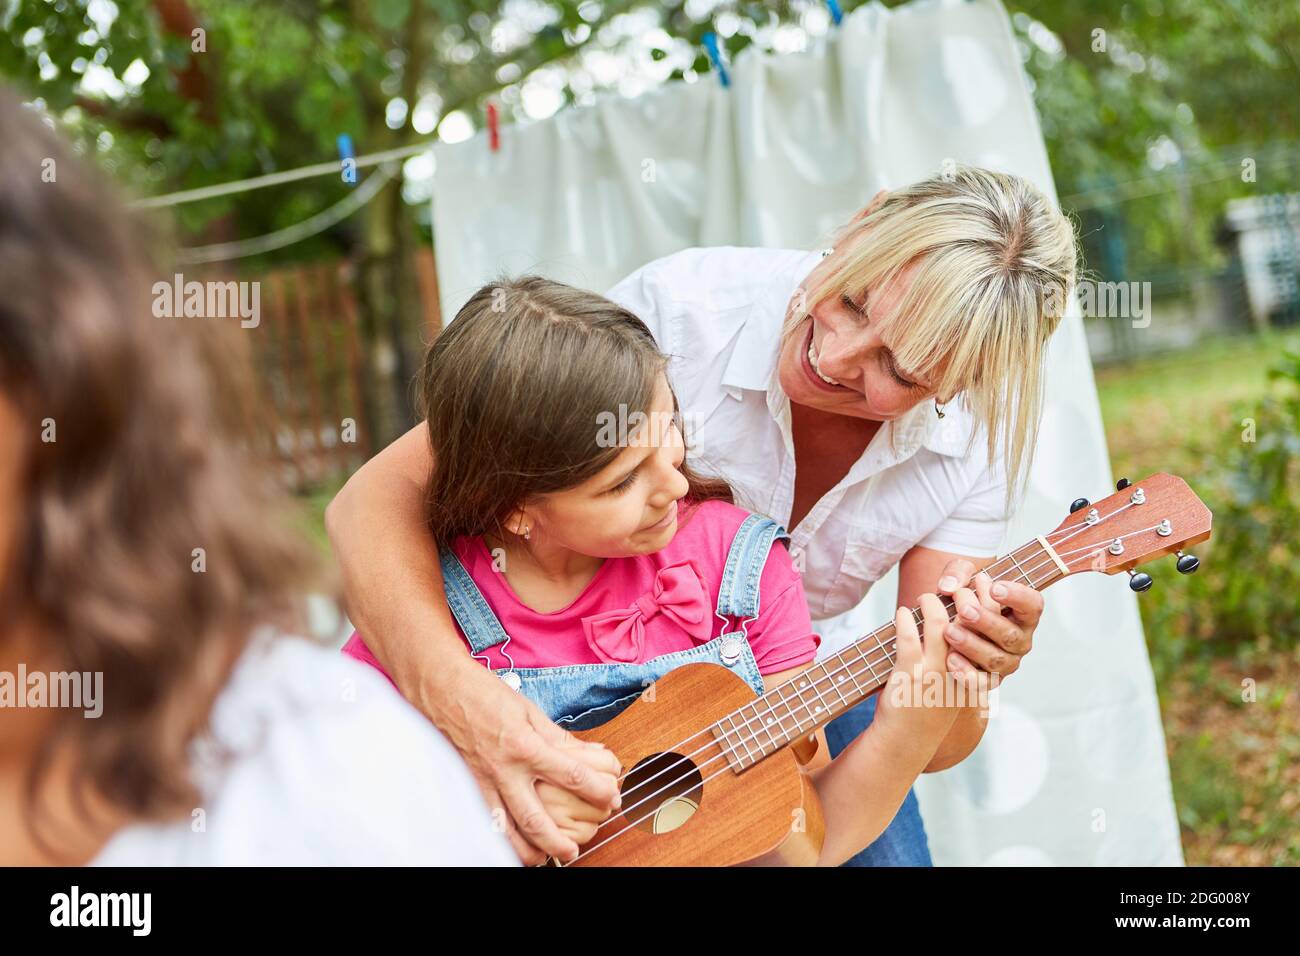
[
  {"x": 514, "y": 392},
  {"x": 139, "y": 474}
]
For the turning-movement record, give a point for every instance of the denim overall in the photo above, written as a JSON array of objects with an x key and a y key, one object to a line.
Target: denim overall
[
  {"x": 904, "y": 842},
  {"x": 582, "y": 696}
]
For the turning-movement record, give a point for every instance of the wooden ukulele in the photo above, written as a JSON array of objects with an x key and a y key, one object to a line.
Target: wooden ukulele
[{"x": 714, "y": 776}]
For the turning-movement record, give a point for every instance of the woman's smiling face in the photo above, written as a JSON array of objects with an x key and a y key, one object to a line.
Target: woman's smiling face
[{"x": 850, "y": 342}]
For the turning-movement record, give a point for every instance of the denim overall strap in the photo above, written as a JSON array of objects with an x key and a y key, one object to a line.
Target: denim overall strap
[
  {"x": 468, "y": 606},
  {"x": 738, "y": 594}
]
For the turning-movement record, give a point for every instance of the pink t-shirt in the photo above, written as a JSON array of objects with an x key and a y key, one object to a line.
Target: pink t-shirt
[{"x": 780, "y": 638}]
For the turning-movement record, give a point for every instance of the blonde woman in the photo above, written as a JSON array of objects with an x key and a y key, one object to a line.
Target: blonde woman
[{"x": 879, "y": 398}]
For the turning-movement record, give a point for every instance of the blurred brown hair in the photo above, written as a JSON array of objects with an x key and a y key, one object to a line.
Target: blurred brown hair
[
  {"x": 141, "y": 473},
  {"x": 511, "y": 392}
]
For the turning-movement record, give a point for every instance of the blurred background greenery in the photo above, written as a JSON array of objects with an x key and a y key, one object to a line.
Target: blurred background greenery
[
  {"x": 1158, "y": 115},
  {"x": 1224, "y": 641}
]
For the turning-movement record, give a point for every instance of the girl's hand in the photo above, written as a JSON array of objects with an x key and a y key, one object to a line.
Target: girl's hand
[
  {"x": 922, "y": 696},
  {"x": 573, "y": 816}
]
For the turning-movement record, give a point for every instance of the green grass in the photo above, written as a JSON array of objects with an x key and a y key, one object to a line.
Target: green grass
[
  {"x": 311, "y": 507},
  {"x": 1230, "y": 368},
  {"x": 1151, "y": 406},
  {"x": 1233, "y": 763}
]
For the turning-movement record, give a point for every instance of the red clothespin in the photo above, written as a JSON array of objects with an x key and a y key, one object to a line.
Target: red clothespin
[{"x": 494, "y": 127}]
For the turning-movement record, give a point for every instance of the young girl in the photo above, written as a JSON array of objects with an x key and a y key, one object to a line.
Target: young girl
[
  {"x": 585, "y": 558},
  {"x": 209, "y": 735}
]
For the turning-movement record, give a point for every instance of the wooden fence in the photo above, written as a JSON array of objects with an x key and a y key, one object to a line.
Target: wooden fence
[{"x": 313, "y": 380}]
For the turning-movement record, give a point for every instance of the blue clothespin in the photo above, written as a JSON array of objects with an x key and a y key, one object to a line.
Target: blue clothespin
[
  {"x": 836, "y": 14},
  {"x": 711, "y": 45},
  {"x": 348, "y": 159}
]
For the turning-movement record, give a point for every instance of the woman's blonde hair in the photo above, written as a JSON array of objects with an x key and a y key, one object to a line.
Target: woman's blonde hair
[{"x": 996, "y": 263}]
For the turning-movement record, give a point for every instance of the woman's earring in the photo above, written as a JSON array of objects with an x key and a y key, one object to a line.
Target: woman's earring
[
  {"x": 827, "y": 252},
  {"x": 936, "y": 408},
  {"x": 526, "y": 533}
]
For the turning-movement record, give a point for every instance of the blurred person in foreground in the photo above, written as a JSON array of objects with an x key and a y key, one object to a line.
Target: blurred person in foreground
[{"x": 206, "y": 735}]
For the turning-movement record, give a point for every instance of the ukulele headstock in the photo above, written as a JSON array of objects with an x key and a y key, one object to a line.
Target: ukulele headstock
[{"x": 1140, "y": 522}]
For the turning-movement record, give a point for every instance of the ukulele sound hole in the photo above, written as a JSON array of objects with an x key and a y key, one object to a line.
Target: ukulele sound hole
[{"x": 662, "y": 792}]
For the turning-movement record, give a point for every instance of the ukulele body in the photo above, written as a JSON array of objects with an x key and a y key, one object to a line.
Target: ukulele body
[{"x": 736, "y": 817}]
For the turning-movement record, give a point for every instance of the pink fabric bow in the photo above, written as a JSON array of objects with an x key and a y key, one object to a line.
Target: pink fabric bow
[{"x": 618, "y": 637}]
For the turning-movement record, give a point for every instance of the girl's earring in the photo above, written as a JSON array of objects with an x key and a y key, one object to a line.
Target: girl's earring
[
  {"x": 527, "y": 534},
  {"x": 937, "y": 411},
  {"x": 827, "y": 252}
]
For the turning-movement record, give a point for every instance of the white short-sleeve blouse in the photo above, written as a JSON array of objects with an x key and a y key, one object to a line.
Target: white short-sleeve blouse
[{"x": 718, "y": 313}]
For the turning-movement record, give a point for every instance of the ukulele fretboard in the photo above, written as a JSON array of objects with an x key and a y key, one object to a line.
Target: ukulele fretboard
[{"x": 828, "y": 689}]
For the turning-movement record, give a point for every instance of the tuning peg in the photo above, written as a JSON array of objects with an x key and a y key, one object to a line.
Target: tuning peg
[
  {"x": 1139, "y": 580},
  {"x": 1187, "y": 563},
  {"x": 1078, "y": 503},
  {"x": 1122, "y": 484}
]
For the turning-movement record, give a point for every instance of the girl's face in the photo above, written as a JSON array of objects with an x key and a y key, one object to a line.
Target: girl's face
[
  {"x": 849, "y": 341},
  {"x": 630, "y": 506}
]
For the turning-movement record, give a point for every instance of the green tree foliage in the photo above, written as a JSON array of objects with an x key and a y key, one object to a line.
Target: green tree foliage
[
  {"x": 1244, "y": 596},
  {"x": 1147, "y": 130},
  {"x": 279, "y": 81}
]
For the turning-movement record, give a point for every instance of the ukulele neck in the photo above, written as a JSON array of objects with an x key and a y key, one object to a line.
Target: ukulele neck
[{"x": 828, "y": 689}]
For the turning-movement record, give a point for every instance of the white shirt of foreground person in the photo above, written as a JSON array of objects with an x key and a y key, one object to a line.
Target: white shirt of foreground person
[
  {"x": 329, "y": 766},
  {"x": 718, "y": 313}
]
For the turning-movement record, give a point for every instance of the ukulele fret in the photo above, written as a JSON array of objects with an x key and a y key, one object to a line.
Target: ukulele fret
[
  {"x": 766, "y": 724},
  {"x": 789, "y": 734},
  {"x": 746, "y": 728},
  {"x": 822, "y": 705},
  {"x": 728, "y": 746},
  {"x": 739, "y": 763},
  {"x": 745, "y": 743},
  {"x": 793, "y": 733},
  {"x": 853, "y": 676},
  {"x": 889, "y": 655},
  {"x": 1023, "y": 575},
  {"x": 789, "y": 711},
  {"x": 836, "y": 684}
]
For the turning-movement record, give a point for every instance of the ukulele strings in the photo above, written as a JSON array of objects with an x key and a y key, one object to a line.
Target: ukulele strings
[
  {"x": 711, "y": 776},
  {"x": 723, "y": 752},
  {"x": 885, "y": 660},
  {"x": 847, "y": 665},
  {"x": 863, "y": 658},
  {"x": 887, "y": 657}
]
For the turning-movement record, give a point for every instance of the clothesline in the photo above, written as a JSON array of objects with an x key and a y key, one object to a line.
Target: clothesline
[
  {"x": 240, "y": 248},
  {"x": 371, "y": 159},
  {"x": 274, "y": 179}
]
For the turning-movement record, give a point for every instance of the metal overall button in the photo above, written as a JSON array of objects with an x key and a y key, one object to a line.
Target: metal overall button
[
  {"x": 731, "y": 648},
  {"x": 512, "y": 680}
]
